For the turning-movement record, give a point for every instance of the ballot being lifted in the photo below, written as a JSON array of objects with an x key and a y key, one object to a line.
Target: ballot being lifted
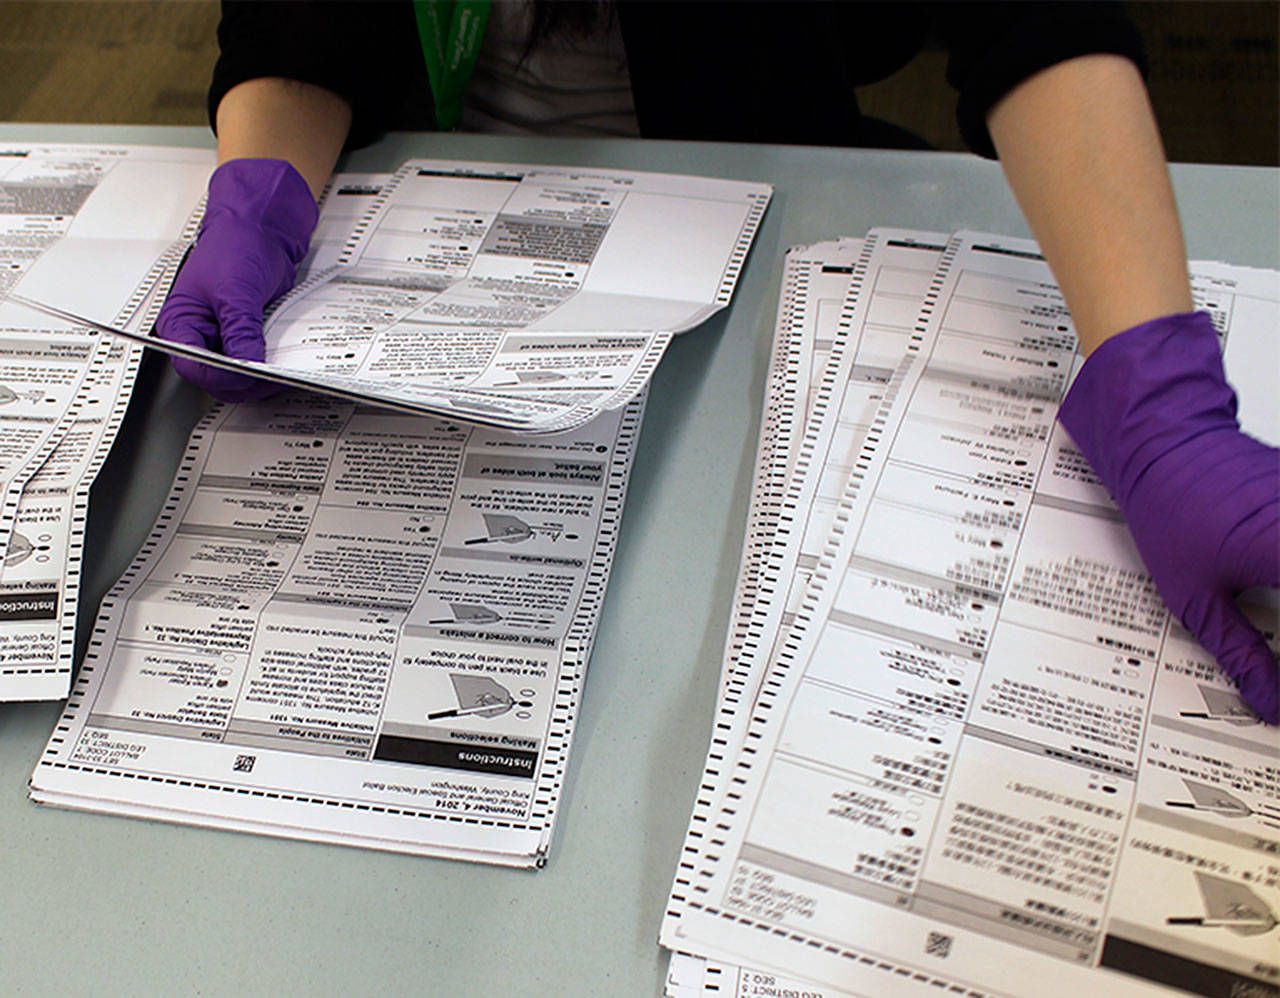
[
  {"x": 528, "y": 297},
  {"x": 535, "y": 298}
]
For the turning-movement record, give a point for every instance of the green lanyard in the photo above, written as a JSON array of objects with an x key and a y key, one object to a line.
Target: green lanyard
[{"x": 450, "y": 32}]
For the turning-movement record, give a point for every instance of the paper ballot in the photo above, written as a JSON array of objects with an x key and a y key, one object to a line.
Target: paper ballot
[
  {"x": 978, "y": 752},
  {"x": 529, "y": 297},
  {"x": 99, "y": 228},
  {"x": 102, "y": 227},
  {"x": 366, "y": 625},
  {"x": 309, "y": 644},
  {"x": 510, "y": 295}
]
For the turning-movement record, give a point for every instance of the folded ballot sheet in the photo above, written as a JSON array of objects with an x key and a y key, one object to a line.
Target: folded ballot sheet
[
  {"x": 527, "y": 297},
  {"x": 960, "y": 745},
  {"x": 535, "y": 298},
  {"x": 100, "y": 229}
]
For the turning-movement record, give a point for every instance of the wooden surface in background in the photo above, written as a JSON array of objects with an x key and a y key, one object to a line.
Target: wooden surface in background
[{"x": 107, "y": 63}]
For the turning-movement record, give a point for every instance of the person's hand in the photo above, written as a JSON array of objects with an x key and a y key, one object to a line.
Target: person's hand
[
  {"x": 257, "y": 227},
  {"x": 1152, "y": 411}
]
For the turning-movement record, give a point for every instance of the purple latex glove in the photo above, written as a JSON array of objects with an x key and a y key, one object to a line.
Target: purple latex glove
[
  {"x": 257, "y": 226},
  {"x": 1153, "y": 413}
]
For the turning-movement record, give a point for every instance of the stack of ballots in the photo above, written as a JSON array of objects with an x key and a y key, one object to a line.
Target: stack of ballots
[
  {"x": 99, "y": 229},
  {"x": 960, "y": 745},
  {"x": 365, "y": 616}
]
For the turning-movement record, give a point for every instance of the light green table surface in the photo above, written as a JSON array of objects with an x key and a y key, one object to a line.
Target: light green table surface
[{"x": 114, "y": 905}]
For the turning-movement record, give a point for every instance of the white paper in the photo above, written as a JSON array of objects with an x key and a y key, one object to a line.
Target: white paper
[
  {"x": 355, "y": 626},
  {"x": 529, "y": 297},
  {"x": 941, "y": 686},
  {"x": 101, "y": 227}
]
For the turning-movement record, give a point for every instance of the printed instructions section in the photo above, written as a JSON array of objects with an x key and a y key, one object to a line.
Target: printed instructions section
[
  {"x": 41, "y": 373},
  {"x": 371, "y": 626},
  {"x": 39, "y": 580},
  {"x": 88, "y": 228},
  {"x": 952, "y": 789},
  {"x": 533, "y": 297}
]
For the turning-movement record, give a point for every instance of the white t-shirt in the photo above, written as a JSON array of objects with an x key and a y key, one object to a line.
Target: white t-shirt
[{"x": 568, "y": 85}]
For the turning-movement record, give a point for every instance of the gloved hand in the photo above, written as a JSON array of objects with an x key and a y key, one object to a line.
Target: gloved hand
[
  {"x": 257, "y": 226},
  {"x": 1153, "y": 413}
]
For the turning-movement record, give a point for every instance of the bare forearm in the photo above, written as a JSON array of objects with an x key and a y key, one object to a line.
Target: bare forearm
[
  {"x": 277, "y": 118},
  {"x": 1080, "y": 148}
]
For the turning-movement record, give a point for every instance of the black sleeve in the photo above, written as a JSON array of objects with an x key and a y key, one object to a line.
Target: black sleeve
[
  {"x": 762, "y": 71},
  {"x": 366, "y": 52},
  {"x": 995, "y": 46},
  {"x": 757, "y": 71}
]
